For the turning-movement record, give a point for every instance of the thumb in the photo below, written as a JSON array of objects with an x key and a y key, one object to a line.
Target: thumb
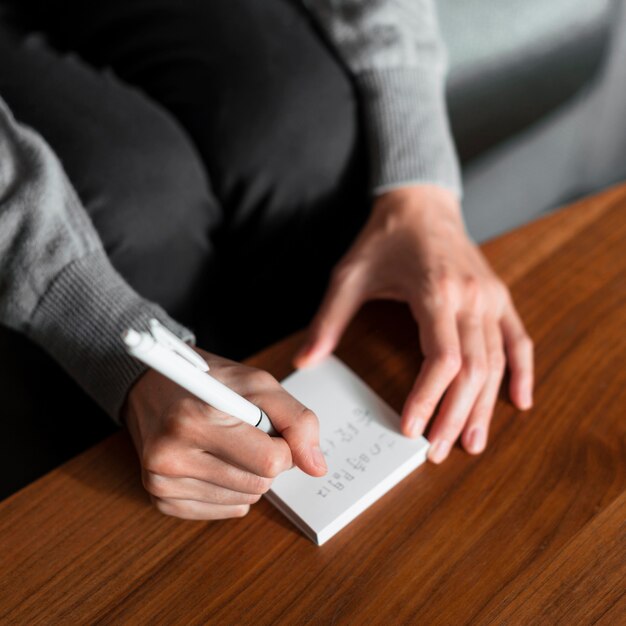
[
  {"x": 342, "y": 300},
  {"x": 299, "y": 427}
]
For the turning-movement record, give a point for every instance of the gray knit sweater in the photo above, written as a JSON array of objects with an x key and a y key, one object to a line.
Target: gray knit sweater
[{"x": 57, "y": 285}]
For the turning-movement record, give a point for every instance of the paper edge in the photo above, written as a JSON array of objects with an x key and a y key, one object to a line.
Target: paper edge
[{"x": 349, "y": 515}]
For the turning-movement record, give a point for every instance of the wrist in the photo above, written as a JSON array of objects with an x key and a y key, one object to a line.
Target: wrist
[
  {"x": 128, "y": 410},
  {"x": 431, "y": 201}
]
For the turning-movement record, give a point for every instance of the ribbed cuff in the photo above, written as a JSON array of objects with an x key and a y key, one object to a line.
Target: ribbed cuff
[
  {"x": 407, "y": 128},
  {"x": 80, "y": 319}
]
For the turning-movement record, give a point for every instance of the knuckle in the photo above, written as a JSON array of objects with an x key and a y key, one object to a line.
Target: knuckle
[
  {"x": 522, "y": 344},
  {"x": 450, "y": 360},
  {"x": 423, "y": 405},
  {"x": 501, "y": 291},
  {"x": 261, "y": 378},
  {"x": 308, "y": 419},
  {"x": 257, "y": 485},
  {"x": 483, "y": 414},
  {"x": 186, "y": 407},
  {"x": 497, "y": 362},
  {"x": 178, "y": 427},
  {"x": 505, "y": 293},
  {"x": 272, "y": 466},
  {"x": 161, "y": 459},
  {"x": 476, "y": 369},
  {"x": 155, "y": 484},
  {"x": 474, "y": 296},
  {"x": 525, "y": 343},
  {"x": 241, "y": 510},
  {"x": 453, "y": 425},
  {"x": 445, "y": 288},
  {"x": 181, "y": 419},
  {"x": 472, "y": 286},
  {"x": 165, "y": 507}
]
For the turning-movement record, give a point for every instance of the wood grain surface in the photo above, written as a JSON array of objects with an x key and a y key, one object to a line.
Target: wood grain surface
[{"x": 531, "y": 532}]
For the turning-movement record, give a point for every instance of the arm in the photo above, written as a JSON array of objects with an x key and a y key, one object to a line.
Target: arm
[
  {"x": 414, "y": 248},
  {"x": 395, "y": 53},
  {"x": 58, "y": 287}
]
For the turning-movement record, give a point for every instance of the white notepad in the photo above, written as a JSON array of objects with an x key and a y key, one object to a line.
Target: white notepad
[{"x": 364, "y": 449}]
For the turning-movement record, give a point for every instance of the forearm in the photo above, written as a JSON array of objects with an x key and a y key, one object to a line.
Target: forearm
[
  {"x": 395, "y": 53},
  {"x": 57, "y": 285}
]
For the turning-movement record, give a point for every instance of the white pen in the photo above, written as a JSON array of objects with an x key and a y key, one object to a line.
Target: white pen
[{"x": 163, "y": 351}]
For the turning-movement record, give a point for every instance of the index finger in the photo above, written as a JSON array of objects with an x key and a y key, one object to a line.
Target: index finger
[
  {"x": 299, "y": 427},
  {"x": 245, "y": 446},
  {"x": 439, "y": 338}
]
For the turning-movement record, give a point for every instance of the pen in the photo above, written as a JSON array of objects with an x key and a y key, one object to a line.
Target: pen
[{"x": 163, "y": 351}]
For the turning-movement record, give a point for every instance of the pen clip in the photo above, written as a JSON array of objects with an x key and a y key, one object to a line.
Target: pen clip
[{"x": 168, "y": 339}]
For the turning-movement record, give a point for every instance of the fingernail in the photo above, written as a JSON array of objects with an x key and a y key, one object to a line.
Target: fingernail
[
  {"x": 527, "y": 398},
  {"x": 439, "y": 451},
  {"x": 299, "y": 357},
  {"x": 476, "y": 440},
  {"x": 303, "y": 353},
  {"x": 318, "y": 458},
  {"x": 415, "y": 427}
]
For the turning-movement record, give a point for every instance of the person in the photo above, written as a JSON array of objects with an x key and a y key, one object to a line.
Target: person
[{"x": 220, "y": 177}]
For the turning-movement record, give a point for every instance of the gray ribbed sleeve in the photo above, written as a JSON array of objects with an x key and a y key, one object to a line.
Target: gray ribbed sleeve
[
  {"x": 57, "y": 285},
  {"x": 79, "y": 321},
  {"x": 395, "y": 52}
]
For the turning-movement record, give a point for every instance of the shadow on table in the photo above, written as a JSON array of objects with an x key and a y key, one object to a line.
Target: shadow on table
[{"x": 46, "y": 419}]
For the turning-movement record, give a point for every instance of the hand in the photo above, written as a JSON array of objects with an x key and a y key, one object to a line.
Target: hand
[
  {"x": 415, "y": 249},
  {"x": 199, "y": 463}
]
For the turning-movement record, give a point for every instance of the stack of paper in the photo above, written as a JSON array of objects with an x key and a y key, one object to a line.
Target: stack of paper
[{"x": 364, "y": 450}]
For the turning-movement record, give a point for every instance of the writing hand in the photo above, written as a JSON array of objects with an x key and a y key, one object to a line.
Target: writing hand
[
  {"x": 414, "y": 248},
  {"x": 199, "y": 463}
]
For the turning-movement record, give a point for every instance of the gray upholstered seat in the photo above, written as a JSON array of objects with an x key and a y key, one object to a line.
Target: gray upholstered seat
[
  {"x": 537, "y": 99},
  {"x": 513, "y": 61}
]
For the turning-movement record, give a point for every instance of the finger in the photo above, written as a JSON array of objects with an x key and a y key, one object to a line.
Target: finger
[
  {"x": 185, "y": 463},
  {"x": 519, "y": 349},
  {"x": 192, "y": 510},
  {"x": 204, "y": 428},
  {"x": 247, "y": 447},
  {"x": 343, "y": 299},
  {"x": 439, "y": 339},
  {"x": 461, "y": 396},
  {"x": 299, "y": 428},
  {"x": 476, "y": 430},
  {"x": 168, "y": 488}
]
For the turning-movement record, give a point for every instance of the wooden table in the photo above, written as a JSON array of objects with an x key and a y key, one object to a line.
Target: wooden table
[{"x": 532, "y": 531}]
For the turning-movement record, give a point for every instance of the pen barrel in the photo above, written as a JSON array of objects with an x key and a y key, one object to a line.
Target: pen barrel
[
  {"x": 200, "y": 384},
  {"x": 266, "y": 425}
]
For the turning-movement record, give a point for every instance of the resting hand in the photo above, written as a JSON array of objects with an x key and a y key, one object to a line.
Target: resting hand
[
  {"x": 199, "y": 463},
  {"x": 415, "y": 249}
]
